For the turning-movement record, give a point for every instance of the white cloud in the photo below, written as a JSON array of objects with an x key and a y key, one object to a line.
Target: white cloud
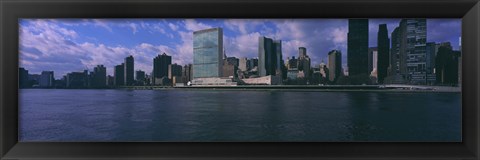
[
  {"x": 193, "y": 25},
  {"x": 172, "y": 26}
]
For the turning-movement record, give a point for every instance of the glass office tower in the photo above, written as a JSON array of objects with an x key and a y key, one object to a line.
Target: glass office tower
[{"x": 207, "y": 53}]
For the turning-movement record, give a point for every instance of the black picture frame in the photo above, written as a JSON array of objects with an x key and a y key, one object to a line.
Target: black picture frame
[{"x": 12, "y": 10}]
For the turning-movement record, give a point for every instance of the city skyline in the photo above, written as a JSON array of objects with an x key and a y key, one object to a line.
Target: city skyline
[{"x": 67, "y": 45}]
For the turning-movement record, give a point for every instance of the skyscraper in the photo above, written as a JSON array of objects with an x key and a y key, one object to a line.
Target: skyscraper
[
  {"x": 207, "y": 53},
  {"x": 334, "y": 65},
  {"x": 129, "y": 71},
  {"x": 160, "y": 66},
  {"x": 357, "y": 49},
  {"x": 269, "y": 56},
  {"x": 304, "y": 61},
  {"x": 413, "y": 49},
  {"x": 99, "y": 76},
  {"x": 383, "y": 44},
  {"x": 119, "y": 75}
]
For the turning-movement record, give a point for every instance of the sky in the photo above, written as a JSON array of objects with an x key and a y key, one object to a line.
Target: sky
[{"x": 72, "y": 45}]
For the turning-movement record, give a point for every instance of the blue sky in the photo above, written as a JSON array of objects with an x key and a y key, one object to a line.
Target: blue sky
[{"x": 66, "y": 45}]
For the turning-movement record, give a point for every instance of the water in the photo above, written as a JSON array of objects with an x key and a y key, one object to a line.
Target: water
[{"x": 199, "y": 115}]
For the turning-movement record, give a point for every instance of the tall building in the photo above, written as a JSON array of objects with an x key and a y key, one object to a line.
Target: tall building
[
  {"x": 304, "y": 61},
  {"x": 46, "y": 79},
  {"x": 160, "y": 67},
  {"x": 99, "y": 77},
  {"x": 357, "y": 47},
  {"x": 334, "y": 65},
  {"x": 207, "y": 53},
  {"x": 413, "y": 49},
  {"x": 269, "y": 56},
  {"x": 119, "y": 74},
  {"x": 383, "y": 54},
  {"x": 129, "y": 71},
  {"x": 174, "y": 70}
]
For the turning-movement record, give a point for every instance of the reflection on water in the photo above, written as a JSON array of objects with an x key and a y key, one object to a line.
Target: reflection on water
[{"x": 193, "y": 115}]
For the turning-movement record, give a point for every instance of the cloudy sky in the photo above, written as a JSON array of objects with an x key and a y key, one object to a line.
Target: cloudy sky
[{"x": 66, "y": 45}]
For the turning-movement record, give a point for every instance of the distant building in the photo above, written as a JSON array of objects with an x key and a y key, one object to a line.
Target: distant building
[
  {"x": 129, "y": 71},
  {"x": 292, "y": 63},
  {"x": 140, "y": 77},
  {"x": 77, "y": 79},
  {"x": 99, "y": 77},
  {"x": 269, "y": 56},
  {"x": 233, "y": 61},
  {"x": 119, "y": 73},
  {"x": 23, "y": 78},
  {"x": 174, "y": 70},
  {"x": 334, "y": 65},
  {"x": 304, "y": 62},
  {"x": 242, "y": 64},
  {"x": 357, "y": 47},
  {"x": 187, "y": 73},
  {"x": 383, "y": 54},
  {"x": 229, "y": 69},
  {"x": 46, "y": 79},
  {"x": 253, "y": 63},
  {"x": 160, "y": 67},
  {"x": 110, "y": 80},
  {"x": 447, "y": 66},
  {"x": 207, "y": 53}
]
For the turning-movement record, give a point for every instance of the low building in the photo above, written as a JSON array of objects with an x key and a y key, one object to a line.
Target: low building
[
  {"x": 213, "y": 81},
  {"x": 265, "y": 80}
]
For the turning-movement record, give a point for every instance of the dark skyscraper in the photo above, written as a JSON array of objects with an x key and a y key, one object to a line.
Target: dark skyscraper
[
  {"x": 119, "y": 75},
  {"x": 129, "y": 71},
  {"x": 383, "y": 52},
  {"x": 99, "y": 76},
  {"x": 160, "y": 66},
  {"x": 357, "y": 49},
  {"x": 334, "y": 65},
  {"x": 269, "y": 56}
]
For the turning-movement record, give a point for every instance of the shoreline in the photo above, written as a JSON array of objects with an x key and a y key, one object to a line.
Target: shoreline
[{"x": 293, "y": 88}]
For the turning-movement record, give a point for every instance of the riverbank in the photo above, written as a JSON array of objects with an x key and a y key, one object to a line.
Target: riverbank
[{"x": 326, "y": 88}]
